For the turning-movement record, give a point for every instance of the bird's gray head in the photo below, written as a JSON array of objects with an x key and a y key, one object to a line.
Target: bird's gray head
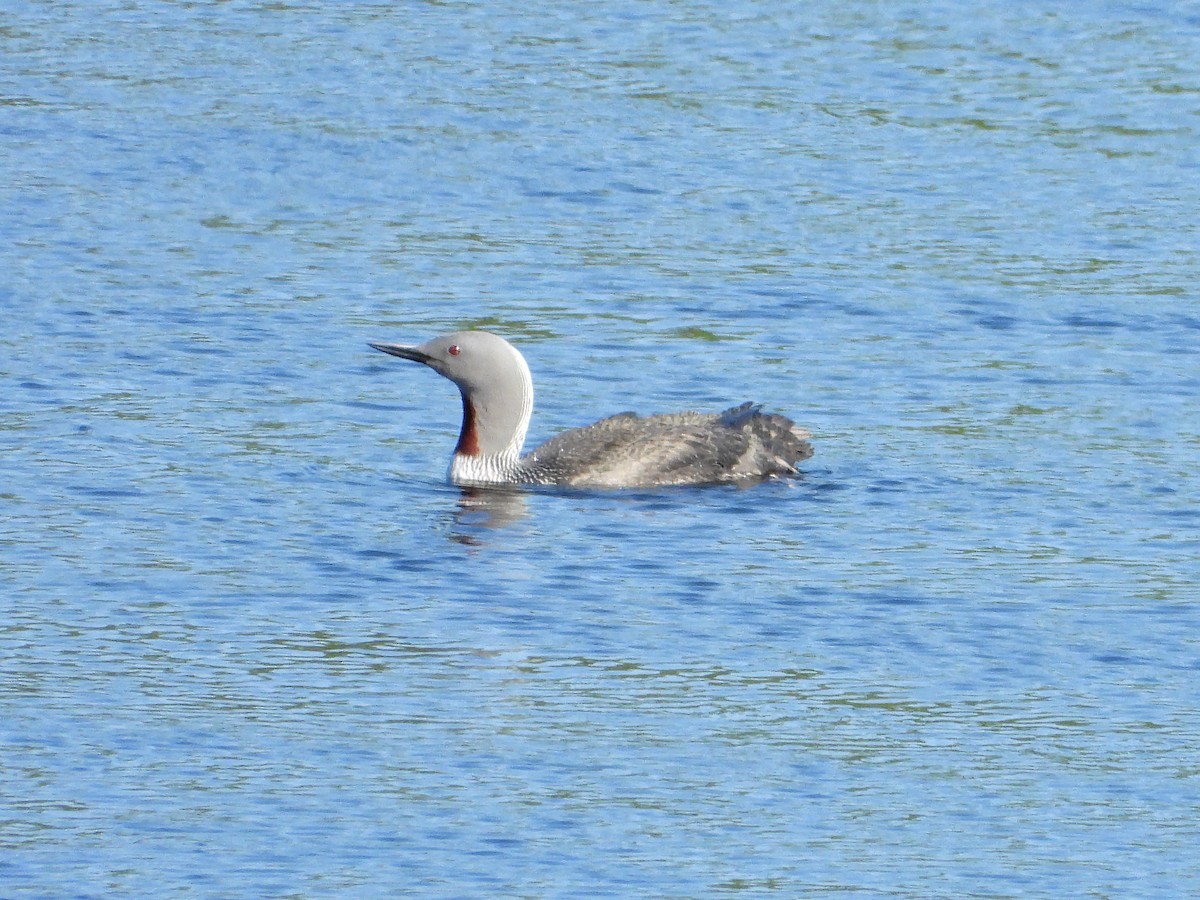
[{"x": 495, "y": 383}]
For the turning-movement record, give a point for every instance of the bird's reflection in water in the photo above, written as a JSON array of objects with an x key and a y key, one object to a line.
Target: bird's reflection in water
[{"x": 481, "y": 508}]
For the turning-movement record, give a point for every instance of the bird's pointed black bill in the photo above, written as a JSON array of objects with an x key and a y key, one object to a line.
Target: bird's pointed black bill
[{"x": 402, "y": 351}]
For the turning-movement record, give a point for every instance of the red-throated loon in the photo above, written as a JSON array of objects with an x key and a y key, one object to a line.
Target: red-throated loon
[{"x": 625, "y": 450}]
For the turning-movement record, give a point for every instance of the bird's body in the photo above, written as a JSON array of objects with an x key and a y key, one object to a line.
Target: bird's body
[{"x": 625, "y": 450}]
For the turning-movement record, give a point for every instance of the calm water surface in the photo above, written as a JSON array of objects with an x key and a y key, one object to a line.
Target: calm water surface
[{"x": 252, "y": 645}]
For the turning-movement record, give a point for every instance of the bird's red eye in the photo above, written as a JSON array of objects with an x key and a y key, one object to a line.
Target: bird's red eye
[{"x": 454, "y": 350}]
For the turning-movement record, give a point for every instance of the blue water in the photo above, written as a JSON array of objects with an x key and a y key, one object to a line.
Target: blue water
[{"x": 251, "y": 644}]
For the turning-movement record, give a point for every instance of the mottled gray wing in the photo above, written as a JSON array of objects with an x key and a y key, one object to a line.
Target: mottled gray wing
[{"x": 627, "y": 450}]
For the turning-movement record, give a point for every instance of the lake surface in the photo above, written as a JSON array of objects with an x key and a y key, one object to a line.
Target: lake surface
[{"x": 251, "y": 644}]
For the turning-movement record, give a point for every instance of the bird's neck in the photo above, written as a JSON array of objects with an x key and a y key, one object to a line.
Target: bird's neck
[{"x": 495, "y": 419}]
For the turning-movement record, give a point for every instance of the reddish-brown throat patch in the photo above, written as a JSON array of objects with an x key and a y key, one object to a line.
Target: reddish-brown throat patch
[{"x": 468, "y": 438}]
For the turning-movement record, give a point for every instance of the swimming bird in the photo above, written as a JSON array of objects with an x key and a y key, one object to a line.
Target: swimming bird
[{"x": 741, "y": 444}]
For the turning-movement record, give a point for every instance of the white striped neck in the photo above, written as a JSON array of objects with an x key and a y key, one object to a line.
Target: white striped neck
[{"x": 480, "y": 469}]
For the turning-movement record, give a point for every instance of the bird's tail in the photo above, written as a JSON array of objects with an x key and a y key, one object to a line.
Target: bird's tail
[{"x": 779, "y": 436}]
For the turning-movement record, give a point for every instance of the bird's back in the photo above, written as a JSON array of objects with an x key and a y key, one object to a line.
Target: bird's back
[{"x": 628, "y": 450}]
